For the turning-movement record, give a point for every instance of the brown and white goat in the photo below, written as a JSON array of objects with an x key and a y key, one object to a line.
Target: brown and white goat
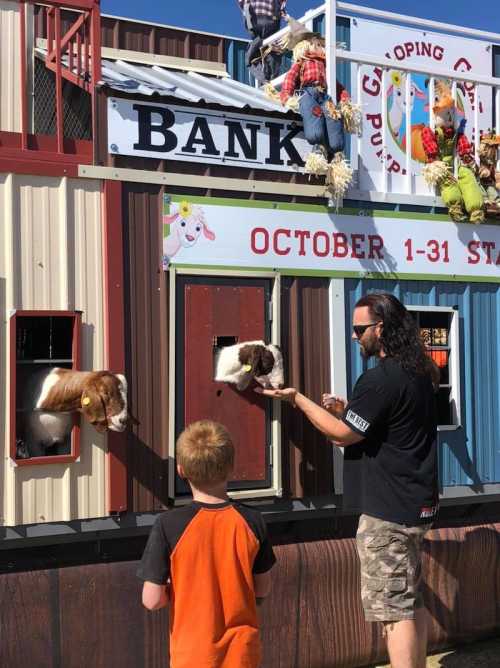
[
  {"x": 51, "y": 398},
  {"x": 250, "y": 360}
]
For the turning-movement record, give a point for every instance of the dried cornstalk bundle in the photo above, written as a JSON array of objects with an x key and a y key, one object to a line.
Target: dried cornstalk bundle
[
  {"x": 316, "y": 164},
  {"x": 332, "y": 110},
  {"x": 271, "y": 92},
  {"x": 351, "y": 113},
  {"x": 293, "y": 103},
  {"x": 338, "y": 178},
  {"x": 435, "y": 173}
]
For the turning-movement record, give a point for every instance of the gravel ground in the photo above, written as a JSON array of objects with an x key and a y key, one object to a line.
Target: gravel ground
[{"x": 485, "y": 654}]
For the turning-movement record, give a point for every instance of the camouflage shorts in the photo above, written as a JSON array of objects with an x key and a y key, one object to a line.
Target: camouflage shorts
[{"x": 390, "y": 557}]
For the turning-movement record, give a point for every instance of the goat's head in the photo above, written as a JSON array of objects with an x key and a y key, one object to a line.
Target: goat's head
[
  {"x": 262, "y": 363},
  {"x": 188, "y": 223},
  {"x": 104, "y": 401}
]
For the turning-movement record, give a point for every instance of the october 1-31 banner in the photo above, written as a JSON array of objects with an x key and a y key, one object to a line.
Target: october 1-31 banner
[{"x": 215, "y": 235}]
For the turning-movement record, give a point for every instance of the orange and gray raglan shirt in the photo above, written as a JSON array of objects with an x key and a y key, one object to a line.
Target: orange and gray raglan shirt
[{"x": 208, "y": 554}]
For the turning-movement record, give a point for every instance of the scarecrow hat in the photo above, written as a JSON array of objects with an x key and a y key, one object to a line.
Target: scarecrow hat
[{"x": 298, "y": 33}]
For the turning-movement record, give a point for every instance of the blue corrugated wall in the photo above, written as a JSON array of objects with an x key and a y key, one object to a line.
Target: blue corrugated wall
[
  {"x": 470, "y": 455},
  {"x": 235, "y": 54}
]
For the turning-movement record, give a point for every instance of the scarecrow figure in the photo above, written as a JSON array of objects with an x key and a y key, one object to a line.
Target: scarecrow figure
[
  {"x": 488, "y": 176},
  {"x": 262, "y": 18},
  {"x": 305, "y": 90},
  {"x": 463, "y": 195}
]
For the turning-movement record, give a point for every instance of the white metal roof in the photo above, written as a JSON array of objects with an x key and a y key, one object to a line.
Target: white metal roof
[{"x": 189, "y": 86}]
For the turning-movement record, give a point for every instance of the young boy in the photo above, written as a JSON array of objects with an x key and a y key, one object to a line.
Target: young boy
[{"x": 210, "y": 560}]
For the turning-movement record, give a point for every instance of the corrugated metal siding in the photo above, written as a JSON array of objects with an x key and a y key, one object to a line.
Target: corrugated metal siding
[
  {"x": 191, "y": 86},
  {"x": 343, "y": 36},
  {"x": 146, "y": 344},
  {"x": 312, "y": 618},
  {"x": 10, "y": 59},
  {"x": 51, "y": 258},
  {"x": 307, "y": 455},
  {"x": 471, "y": 455}
]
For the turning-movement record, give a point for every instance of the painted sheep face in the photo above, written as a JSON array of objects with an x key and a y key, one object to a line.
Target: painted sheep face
[{"x": 189, "y": 231}]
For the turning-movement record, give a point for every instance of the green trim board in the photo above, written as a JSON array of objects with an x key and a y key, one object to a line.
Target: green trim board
[
  {"x": 342, "y": 274},
  {"x": 318, "y": 208}
]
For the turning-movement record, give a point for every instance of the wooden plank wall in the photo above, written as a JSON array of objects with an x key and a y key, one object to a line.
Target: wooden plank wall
[{"x": 91, "y": 615}]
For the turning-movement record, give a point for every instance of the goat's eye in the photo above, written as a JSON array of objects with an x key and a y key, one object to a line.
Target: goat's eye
[
  {"x": 198, "y": 228},
  {"x": 399, "y": 93},
  {"x": 411, "y": 93},
  {"x": 183, "y": 224}
]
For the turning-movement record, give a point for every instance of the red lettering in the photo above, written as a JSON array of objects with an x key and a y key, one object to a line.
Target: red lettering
[
  {"x": 465, "y": 63},
  {"x": 278, "y": 233},
  {"x": 265, "y": 240},
  {"x": 426, "y": 49},
  {"x": 375, "y": 245},
  {"x": 472, "y": 247},
  {"x": 488, "y": 247},
  {"x": 340, "y": 247},
  {"x": 409, "y": 48},
  {"x": 394, "y": 167},
  {"x": 399, "y": 52},
  {"x": 375, "y": 120},
  {"x": 437, "y": 53},
  {"x": 301, "y": 235},
  {"x": 376, "y": 139},
  {"x": 325, "y": 244},
  {"x": 356, "y": 243},
  {"x": 375, "y": 86}
]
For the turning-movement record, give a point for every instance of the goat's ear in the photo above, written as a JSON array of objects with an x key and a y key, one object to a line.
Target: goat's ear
[
  {"x": 266, "y": 361},
  {"x": 246, "y": 378},
  {"x": 249, "y": 359},
  {"x": 92, "y": 406}
]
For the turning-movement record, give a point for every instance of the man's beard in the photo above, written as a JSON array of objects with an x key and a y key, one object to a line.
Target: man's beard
[{"x": 370, "y": 349}]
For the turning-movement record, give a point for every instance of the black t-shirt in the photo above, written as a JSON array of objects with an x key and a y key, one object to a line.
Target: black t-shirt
[{"x": 392, "y": 473}]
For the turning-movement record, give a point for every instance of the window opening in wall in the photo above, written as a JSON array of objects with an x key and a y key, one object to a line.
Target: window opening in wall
[
  {"x": 439, "y": 331},
  {"x": 41, "y": 342}
]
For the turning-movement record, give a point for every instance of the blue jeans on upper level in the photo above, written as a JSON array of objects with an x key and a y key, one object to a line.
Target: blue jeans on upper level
[{"x": 320, "y": 128}]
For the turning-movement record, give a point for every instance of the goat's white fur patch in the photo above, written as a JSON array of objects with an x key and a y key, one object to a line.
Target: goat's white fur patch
[
  {"x": 49, "y": 382},
  {"x": 229, "y": 369},
  {"x": 117, "y": 421}
]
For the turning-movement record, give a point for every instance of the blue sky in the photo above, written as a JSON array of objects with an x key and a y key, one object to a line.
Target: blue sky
[{"x": 223, "y": 16}]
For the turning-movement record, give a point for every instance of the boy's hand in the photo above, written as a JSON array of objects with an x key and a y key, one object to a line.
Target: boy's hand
[
  {"x": 333, "y": 404},
  {"x": 288, "y": 394}
]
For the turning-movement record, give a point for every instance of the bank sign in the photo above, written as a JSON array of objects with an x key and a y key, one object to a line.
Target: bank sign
[
  {"x": 170, "y": 132},
  {"x": 216, "y": 235}
]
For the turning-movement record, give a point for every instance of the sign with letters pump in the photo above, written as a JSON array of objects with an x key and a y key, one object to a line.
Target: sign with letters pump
[{"x": 199, "y": 135}]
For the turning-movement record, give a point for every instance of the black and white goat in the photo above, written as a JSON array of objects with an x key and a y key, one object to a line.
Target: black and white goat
[
  {"x": 52, "y": 396},
  {"x": 241, "y": 363}
]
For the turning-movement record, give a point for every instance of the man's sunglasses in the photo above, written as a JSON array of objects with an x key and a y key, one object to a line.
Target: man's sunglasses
[{"x": 359, "y": 330}]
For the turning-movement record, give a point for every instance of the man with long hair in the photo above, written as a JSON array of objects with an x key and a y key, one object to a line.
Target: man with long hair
[{"x": 390, "y": 467}]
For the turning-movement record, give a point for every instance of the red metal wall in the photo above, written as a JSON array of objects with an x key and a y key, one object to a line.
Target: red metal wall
[
  {"x": 119, "y": 33},
  {"x": 307, "y": 456},
  {"x": 92, "y": 616}
]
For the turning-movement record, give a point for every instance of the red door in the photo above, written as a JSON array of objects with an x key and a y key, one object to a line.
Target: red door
[{"x": 218, "y": 312}]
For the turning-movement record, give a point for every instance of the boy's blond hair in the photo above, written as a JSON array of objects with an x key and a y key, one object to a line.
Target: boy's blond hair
[{"x": 205, "y": 451}]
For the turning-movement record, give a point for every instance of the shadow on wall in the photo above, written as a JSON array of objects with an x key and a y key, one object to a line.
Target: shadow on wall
[
  {"x": 461, "y": 582},
  {"x": 149, "y": 486}
]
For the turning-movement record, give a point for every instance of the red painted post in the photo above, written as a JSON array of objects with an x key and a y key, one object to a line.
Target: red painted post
[
  {"x": 59, "y": 104},
  {"x": 116, "y": 470},
  {"x": 24, "y": 101}
]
